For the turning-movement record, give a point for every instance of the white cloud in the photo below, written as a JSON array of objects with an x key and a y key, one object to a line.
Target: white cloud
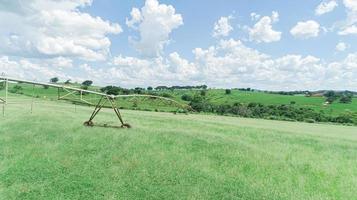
[
  {"x": 40, "y": 70},
  {"x": 230, "y": 63},
  {"x": 61, "y": 62},
  {"x": 341, "y": 46},
  {"x": 351, "y": 4},
  {"x": 222, "y": 28},
  {"x": 254, "y": 16},
  {"x": 52, "y": 28},
  {"x": 155, "y": 22},
  {"x": 135, "y": 18},
  {"x": 263, "y": 30},
  {"x": 133, "y": 71},
  {"x": 173, "y": 70},
  {"x": 349, "y": 30},
  {"x": 221, "y": 65},
  {"x": 43, "y": 39},
  {"x": 325, "y": 7},
  {"x": 306, "y": 29},
  {"x": 349, "y": 26}
]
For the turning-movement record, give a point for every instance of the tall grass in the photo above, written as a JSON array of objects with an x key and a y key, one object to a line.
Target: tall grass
[{"x": 50, "y": 155}]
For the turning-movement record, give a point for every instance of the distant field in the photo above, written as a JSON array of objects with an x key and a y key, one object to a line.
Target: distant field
[
  {"x": 215, "y": 96},
  {"x": 218, "y": 96},
  {"x": 52, "y": 94},
  {"x": 50, "y": 155}
]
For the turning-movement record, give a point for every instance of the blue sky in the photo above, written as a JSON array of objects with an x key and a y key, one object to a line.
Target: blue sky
[
  {"x": 272, "y": 44},
  {"x": 199, "y": 17}
]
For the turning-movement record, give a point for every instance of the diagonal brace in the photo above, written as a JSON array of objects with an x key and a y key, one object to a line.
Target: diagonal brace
[{"x": 100, "y": 105}]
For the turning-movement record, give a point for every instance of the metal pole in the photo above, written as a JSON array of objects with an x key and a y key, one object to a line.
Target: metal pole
[
  {"x": 33, "y": 96},
  {"x": 5, "y": 103},
  {"x": 6, "y": 88}
]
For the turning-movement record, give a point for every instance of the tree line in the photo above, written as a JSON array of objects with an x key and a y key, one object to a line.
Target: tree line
[{"x": 289, "y": 112}]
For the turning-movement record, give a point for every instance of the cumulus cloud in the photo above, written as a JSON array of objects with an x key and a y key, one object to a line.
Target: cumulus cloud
[
  {"x": 350, "y": 4},
  {"x": 230, "y": 63},
  {"x": 351, "y": 30},
  {"x": 173, "y": 70},
  {"x": 223, "y": 27},
  {"x": 263, "y": 31},
  {"x": 46, "y": 38},
  {"x": 306, "y": 29},
  {"x": 341, "y": 46},
  {"x": 325, "y": 7},
  {"x": 53, "y": 28},
  {"x": 40, "y": 70},
  {"x": 349, "y": 26},
  {"x": 155, "y": 22},
  {"x": 254, "y": 16}
]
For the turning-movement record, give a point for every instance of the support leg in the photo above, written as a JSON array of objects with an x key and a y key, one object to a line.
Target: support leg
[
  {"x": 117, "y": 112},
  {"x": 97, "y": 108}
]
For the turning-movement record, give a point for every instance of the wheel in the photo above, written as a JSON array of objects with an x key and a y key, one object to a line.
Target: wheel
[
  {"x": 126, "y": 126},
  {"x": 88, "y": 123}
]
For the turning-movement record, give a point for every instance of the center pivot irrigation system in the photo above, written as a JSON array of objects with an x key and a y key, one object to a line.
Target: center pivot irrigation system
[{"x": 103, "y": 98}]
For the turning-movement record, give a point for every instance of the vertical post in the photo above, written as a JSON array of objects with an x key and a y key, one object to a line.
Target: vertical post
[
  {"x": 5, "y": 103},
  {"x": 33, "y": 96},
  {"x": 75, "y": 108},
  {"x": 6, "y": 88}
]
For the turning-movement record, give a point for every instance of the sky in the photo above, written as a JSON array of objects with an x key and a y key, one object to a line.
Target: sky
[{"x": 270, "y": 45}]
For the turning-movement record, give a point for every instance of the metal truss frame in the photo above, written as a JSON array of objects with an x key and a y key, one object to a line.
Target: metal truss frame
[{"x": 105, "y": 98}]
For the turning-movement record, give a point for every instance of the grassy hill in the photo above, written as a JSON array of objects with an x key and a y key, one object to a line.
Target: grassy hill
[
  {"x": 218, "y": 96},
  {"x": 215, "y": 101},
  {"x": 214, "y": 96},
  {"x": 50, "y": 155}
]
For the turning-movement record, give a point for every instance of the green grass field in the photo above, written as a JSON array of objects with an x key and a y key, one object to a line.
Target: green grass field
[
  {"x": 218, "y": 97},
  {"x": 49, "y": 154},
  {"x": 215, "y": 96}
]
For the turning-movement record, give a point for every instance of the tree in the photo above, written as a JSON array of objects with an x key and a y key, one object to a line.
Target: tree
[
  {"x": 111, "y": 90},
  {"x": 87, "y": 83},
  {"x": 150, "y": 88},
  {"x": 331, "y": 99},
  {"x": 186, "y": 97},
  {"x": 228, "y": 91},
  {"x": 346, "y": 99},
  {"x": 126, "y": 91},
  {"x": 54, "y": 80},
  {"x": 68, "y": 82},
  {"x": 203, "y": 93},
  {"x": 138, "y": 90},
  {"x": 161, "y": 88},
  {"x": 2, "y": 85},
  {"x": 84, "y": 87},
  {"x": 16, "y": 89},
  {"x": 331, "y": 96}
]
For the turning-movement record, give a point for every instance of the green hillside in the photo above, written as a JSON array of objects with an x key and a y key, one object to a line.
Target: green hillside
[
  {"x": 50, "y": 155},
  {"x": 218, "y": 96},
  {"x": 314, "y": 108}
]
